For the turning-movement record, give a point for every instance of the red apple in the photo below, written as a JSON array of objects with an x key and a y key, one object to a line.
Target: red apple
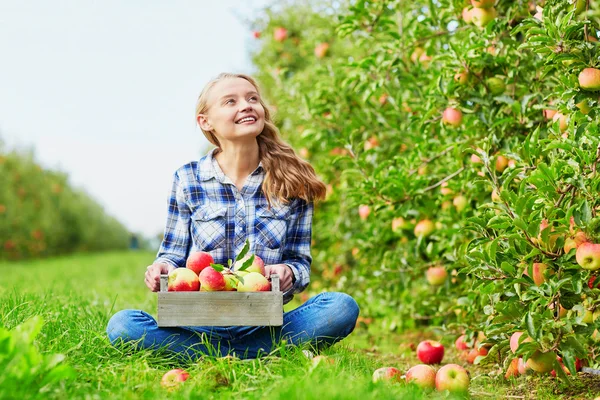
[
  {"x": 421, "y": 375},
  {"x": 387, "y": 374},
  {"x": 578, "y": 365},
  {"x": 591, "y": 283},
  {"x": 588, "y": 256},
  {"x": 436, "y": 275},
  {"x": 513, "y": 369},
  {"x": 280, "y": 34},
  {"x": 183, "y": 280},
  {"x": 211, "y": 280},
  {"x": 399, "y": 224},
  {"x": 540, "y": 272},
  {"x": 371, "y": 143},
  {"x": 452, "y": 116},
  {"x": 364, "y": 211},
  {"x": 515, "y": 341},
  {"x": 424, "y": 228},
  {"x": 589, "y": 79},
  {"x": 452, "y": 377},
  {"x": 461, "y": 344},
  {"x": 256, "y": 34},
  {"x": 472, "y": 355},
  {"x": 254, "y": 282},
  {"x": 430, "y": 352},
  {"x": 174, "y": 378},
  {"x": 258, "y": 265},
  {"x": 198, "y": 260},
  {"x": 522, "y": 368},
  {"x": 573, "y": 242},
  {"x": 321, "y": 50},
  {"x": 501, "y": 163}
]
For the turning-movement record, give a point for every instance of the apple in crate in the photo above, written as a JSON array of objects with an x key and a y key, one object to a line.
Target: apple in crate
[
  {"x": 254, "y": 282},
  {"x": 198, "y": 260},
  {"x": 230, "y": 282},
  {"x": 211, "y": 280},
  {"x": 183, "y": 280},
  {"x": 174, "y": 378},
  {"x": 258, "y": 265},
  {"x": 430, "y": 352}
]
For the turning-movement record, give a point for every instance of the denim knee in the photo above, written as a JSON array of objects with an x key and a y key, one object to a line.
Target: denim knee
[
  {"x": 348, "y": 307},
  {"x": 119, "y": 325}
]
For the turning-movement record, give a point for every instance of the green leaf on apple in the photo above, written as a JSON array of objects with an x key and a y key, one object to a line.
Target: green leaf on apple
[{"x": 244, "y": 251}]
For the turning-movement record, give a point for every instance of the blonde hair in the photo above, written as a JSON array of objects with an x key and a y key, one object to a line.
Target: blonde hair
[{"x": 287, "y": 176}]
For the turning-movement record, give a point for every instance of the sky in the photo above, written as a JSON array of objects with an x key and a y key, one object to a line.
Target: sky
[{"x": 105, "y": 90}]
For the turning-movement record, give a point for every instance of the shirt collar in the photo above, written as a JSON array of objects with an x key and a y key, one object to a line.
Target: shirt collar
[{"x": 208, "y": 168}]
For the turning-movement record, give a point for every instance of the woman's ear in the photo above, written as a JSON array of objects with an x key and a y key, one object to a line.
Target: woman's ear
[{"x": 203, "y": 122}]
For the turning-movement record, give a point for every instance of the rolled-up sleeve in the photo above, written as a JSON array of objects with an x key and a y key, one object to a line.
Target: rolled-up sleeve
[
  {"x": 296, "y": 253},
  {"x": 176, "y": 241}
]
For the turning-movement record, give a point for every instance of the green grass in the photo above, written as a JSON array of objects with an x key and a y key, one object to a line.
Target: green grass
[{"x": 76, "y": 296}]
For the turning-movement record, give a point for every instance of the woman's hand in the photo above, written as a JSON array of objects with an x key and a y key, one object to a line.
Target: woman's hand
[
  {"x": 153, "y": 273},
  {"x": 285, "y": 275}
]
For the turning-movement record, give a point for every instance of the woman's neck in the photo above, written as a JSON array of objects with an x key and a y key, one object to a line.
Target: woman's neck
[{"x": 238, "y": 161}]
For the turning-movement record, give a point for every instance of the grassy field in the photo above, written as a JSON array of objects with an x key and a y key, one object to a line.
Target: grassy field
[{"x": 75, "y": 296}]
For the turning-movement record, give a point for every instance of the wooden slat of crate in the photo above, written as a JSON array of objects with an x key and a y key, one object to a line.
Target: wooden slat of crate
[{"x": 220, "y": 309}]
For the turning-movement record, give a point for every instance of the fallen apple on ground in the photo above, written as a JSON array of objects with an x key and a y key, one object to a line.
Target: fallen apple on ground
[
  {"x": 430, "y": 352},
  {"x": 387, "y": 374},
  {"x": 452, "y": 377},
  {"x": 421, "y": 375},
  {"x": 174, "y": 378}
]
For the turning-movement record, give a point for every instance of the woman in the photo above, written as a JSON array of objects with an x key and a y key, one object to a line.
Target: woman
[{"x": 252, "y": 186}]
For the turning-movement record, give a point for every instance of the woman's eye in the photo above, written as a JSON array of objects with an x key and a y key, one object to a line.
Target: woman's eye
[
  {"x": 254, "y": 98},
  {"x": 230, "y": 101}
]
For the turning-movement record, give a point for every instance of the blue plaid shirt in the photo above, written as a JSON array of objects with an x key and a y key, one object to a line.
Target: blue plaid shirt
[{"x": 208, "y": 213}]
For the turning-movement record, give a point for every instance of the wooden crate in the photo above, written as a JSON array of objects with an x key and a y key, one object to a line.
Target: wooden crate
[{"x": 220, "y": 308}]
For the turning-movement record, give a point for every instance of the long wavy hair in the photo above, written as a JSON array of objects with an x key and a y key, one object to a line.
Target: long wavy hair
[{"x": 287, "y": 176}]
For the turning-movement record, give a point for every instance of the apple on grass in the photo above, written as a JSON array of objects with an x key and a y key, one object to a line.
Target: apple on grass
[
  {"x": 421, "y": 375},
  {"x": 198, "y": 260},
  {"x": 430, "y": 352},
  {"x": 174, "y": 378},
  {"x": 211, "y": 280},
  {"x": 183, "y": 280},
  {"x": 390, "y": 374},
  {"x": 452, "y": 377},
  {"x": 588, "y": 256},
  {"x": 320, "y": 359}
]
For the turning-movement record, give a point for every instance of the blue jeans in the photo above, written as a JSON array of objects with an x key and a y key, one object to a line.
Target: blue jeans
[{"x": 320, "y": 322}]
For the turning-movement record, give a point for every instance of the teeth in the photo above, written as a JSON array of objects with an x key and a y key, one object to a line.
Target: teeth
[{"x": 246, "y": 120}]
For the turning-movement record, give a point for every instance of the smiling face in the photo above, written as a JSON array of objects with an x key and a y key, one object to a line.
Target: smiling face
[{"x": 234, "y": 111}]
